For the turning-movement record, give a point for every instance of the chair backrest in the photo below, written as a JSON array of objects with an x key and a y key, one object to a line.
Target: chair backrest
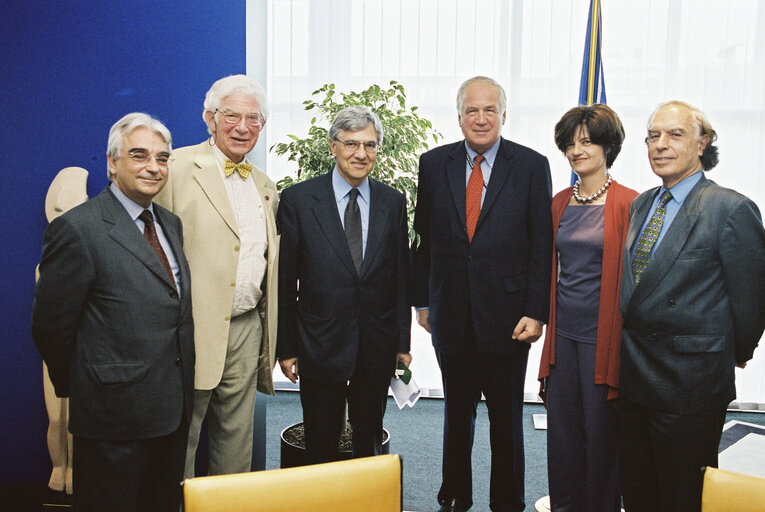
[
  {"x": 357, "y": 485},
  {"x": 725, "y": 491}
]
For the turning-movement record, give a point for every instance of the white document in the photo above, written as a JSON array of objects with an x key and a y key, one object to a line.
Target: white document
[{"x": 404, "y": 394}]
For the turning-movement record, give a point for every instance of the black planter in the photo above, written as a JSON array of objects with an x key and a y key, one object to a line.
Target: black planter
[{"x": 293, "y": 455}]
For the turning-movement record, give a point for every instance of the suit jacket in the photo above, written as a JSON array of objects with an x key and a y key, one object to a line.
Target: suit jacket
[
  {"x": 110, "y": 326},
  {"x": 337, "y": 313},
  {"x": 196, "y": 193},
  {"x": 504, "y": 273},
  {"x": 699, "y": 307}
]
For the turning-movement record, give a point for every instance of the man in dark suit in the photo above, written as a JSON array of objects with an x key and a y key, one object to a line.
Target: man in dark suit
[
  {"x": 481, "y": 278},
  {"x": 112, "y": 320},
  {"x": 693, "y": 302},
  {"x": 344, "y": 316}
]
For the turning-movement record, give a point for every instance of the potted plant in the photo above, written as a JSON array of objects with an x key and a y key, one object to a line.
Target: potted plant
[{"x": 405, "y": 136}]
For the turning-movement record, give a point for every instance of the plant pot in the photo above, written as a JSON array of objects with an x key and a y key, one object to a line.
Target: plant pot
[{"x": 293, "y": 451}]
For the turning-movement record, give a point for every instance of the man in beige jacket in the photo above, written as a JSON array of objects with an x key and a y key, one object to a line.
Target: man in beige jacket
[{"x": 228, "y": 208}]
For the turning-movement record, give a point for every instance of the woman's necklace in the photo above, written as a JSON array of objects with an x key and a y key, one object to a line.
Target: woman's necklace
[{"x": 592, "y": 197}]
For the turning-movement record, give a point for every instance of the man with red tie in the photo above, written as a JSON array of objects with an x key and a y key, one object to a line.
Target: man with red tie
[{"x": 481, "y": 279}]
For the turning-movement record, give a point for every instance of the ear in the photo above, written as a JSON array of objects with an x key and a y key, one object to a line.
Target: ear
[
  {"x": 112, "y": 165},
  {"x": 703, "y": 144},
  {"x": 333, "y": 147},
  {"x": 210, "y": 120},
  {"x": 504, "y": 117}
]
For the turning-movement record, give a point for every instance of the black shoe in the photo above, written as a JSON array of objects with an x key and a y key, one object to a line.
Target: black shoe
[{"x": 453, "y": 505}]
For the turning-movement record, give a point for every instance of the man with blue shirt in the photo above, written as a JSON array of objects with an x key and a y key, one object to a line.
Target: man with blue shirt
[
  {"x": 693, "y": 303},
  {"x": 344, "y": 316},
  {"x": 112, "y": 320},
  {"x": 481, "y": 286}
]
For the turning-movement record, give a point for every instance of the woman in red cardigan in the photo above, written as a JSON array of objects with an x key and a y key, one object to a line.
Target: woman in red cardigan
[{"x": 580, "y": 358}]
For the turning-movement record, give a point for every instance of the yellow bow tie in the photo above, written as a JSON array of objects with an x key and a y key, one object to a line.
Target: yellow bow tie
[{"x": 243, "y": 169}]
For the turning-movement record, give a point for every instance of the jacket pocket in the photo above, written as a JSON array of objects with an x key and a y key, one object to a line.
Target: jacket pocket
[
  {"x": 698, "y": 344},
  {"x": 116, "y": 373}
]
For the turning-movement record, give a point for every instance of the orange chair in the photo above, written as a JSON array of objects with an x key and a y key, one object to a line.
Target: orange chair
[
  {"x": 369, "y": 484},
  {"x": 725, "y": 491}
]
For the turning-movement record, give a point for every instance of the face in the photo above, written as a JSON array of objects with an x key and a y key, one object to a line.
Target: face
[
  {"x": 585, "y": 157},
  {"x": 235, "y": 140},
  {"x": 480, "y": 120},
  {"x": 354, "y": 166},
  {"x": 674, "y": 146},
  {"x": 140, "y": 181}
]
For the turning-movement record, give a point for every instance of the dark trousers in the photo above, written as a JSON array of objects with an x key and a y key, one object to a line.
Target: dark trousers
[
  {"x": 582, "y": 436},
  {"x": 661, "y": 456},
  {"x": 323, "y": 411},
  {"x": 129, "y": 476},
  {"x": 465, "y": 376}
]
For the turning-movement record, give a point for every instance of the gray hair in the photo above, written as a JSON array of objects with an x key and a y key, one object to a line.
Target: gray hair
[
  {"x": 470, "y": 81},
  {"x": 353, "y": 119},
  {"x": 235, "y": 84},
  {"x": 125, "y": 126},
  {"x": 710, "y": 156}
]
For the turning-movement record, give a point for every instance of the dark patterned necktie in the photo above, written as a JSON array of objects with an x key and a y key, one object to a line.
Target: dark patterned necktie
[
  {"x": 649, "y": 236},
  {"x": 150, "y": 234},
  {"x": 473, "y": 197},
  {"x": 352, "y": 222}
]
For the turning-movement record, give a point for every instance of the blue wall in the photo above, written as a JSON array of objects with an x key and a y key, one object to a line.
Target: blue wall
[{"x": 68, "y": 70}]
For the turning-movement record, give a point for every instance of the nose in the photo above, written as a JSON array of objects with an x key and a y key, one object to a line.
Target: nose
[
  {"x": 361, "y": 152},
  {"x": 152, "y": 165},
  {"x": 663, "y": 139}
]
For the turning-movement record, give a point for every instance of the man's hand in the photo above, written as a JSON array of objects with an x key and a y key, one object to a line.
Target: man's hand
[
  {"x": 741, "y": 365},
  {"x": 528, "y": 330},
  {"x": 405, "y": 358},
  {"x": 423, "y": 318},
  {"x": 290, "y": 368}
]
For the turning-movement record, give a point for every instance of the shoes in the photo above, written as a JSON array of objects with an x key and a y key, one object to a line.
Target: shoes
[{"x": 453, "y": 505}]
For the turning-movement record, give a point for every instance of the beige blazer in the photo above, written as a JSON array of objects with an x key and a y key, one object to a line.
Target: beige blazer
[{"x": 195, "y": 192}]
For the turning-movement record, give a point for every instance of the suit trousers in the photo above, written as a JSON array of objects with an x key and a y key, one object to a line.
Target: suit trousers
[
  {"x": 661, "y": 455},
  {"x": 582, "y": 431},
  {"x": 128, "y": 476},
  {"x": 465, "y": 375},
  {"x": 229, "y": 407},
  {"x": 323, "y": 411}
]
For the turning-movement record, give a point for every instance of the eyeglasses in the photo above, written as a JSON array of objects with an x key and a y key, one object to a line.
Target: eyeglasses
[
  {"x": 141, "y": 157},
  {"x": 353, "y": 145},
  {"x": 254, "y": 120}
]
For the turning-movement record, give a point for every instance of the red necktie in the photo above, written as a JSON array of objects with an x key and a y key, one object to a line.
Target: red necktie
[
  {"x": 473, "y": 197},
  {"x": 150, "y": 234}
]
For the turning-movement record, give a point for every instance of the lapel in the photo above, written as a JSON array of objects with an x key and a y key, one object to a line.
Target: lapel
[
  {"x": 324, "y": 209},
  {"x": 378, "y": 222},
  {"x": 176, "y": 245},
  {"x": 455, "y": 173},
  {"x": 499, "y": 174},
  {"x": 208, "y": 176},
  {"x": 124, "y": 231},
  {"x": 268, "y": 196},
  {"x": 674, "y": 240}
]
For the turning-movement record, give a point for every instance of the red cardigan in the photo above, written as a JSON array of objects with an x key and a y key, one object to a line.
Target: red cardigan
[{"x": 609, "y": 331}]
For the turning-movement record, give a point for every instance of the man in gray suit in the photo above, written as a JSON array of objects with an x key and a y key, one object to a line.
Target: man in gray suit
[
  {"x": 693, "y": 303},
  {"x": 112, "y": 320}
]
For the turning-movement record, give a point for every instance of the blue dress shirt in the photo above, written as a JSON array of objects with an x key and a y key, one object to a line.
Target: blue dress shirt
[
  {"x": 679, "y": 192},
  {"x": 486, "y": 166},
  {"x": 341, "y": 189}
]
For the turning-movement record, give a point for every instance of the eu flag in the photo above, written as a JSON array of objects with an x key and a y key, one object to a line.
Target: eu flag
[{"x": 592, "y": 87}]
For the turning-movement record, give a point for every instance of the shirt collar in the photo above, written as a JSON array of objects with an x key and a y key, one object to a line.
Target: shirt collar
[
  {"x": 489, "y": 155},
  {"x": 220, "y": 158},
  {"x": 681, "y": 189},
  {"x": 134, "y": 209},
  {"x": 342, "y": 187}
]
